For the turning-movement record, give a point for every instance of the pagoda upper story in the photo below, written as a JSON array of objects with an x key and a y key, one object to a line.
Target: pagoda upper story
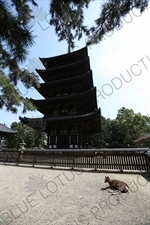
[
  {"x": 65, "y": 59},
  {"x": 69, "y": 106}
]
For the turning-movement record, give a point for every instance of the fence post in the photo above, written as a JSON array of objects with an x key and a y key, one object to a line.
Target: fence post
[
  {"x": 148, "y": 161},
  {"x": 18, "y": 160}
]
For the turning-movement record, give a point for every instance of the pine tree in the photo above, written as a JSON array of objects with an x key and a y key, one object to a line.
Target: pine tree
[
  {"x": 15, "y": 39},
  {"x": 110, "y": 17},
  {"x": 67, "y": 16}
]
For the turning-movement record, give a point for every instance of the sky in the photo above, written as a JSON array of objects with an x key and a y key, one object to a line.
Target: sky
[{"x": 120, "y": 62}]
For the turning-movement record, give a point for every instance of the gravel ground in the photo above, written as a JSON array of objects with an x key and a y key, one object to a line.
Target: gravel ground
[{"x": 42, "y": 196}]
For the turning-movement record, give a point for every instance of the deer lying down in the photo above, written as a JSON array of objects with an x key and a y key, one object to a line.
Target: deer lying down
[{"x": 117, "y": 185}]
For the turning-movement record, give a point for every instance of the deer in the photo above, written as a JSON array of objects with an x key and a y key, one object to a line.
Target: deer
[{"x": 117, "y": 185}]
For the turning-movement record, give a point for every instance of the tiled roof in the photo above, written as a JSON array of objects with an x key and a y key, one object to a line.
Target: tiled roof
[
  {"x": 6, "y": 130},
  {"x": 146, "y": 138}
]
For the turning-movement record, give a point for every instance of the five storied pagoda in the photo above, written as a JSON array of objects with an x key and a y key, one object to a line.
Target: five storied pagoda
[{"x": 70, "y": 105}]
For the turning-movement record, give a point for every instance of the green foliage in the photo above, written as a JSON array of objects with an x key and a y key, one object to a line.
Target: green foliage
[
  {"x": 110, "y": 17},
  {"x": 15, "y": 39},
  {"x": 67, "y": 16},
  {"x": 123, "y": 130},
  {"x": 31, "y": 137}
]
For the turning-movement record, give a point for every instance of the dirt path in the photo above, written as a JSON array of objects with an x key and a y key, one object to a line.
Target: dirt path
[{"x": 36, "y": 196}]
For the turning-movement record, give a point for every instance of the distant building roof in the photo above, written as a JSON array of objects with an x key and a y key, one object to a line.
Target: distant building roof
[
  {"x": 146, "y": 138},
  {"x": 5, "y": 130}
]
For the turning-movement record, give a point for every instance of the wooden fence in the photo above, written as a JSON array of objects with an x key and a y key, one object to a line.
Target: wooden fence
[{"x": 124, "y": 159}]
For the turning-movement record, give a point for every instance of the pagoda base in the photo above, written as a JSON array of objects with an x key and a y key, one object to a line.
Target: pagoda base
[{"x": 65, "y": 141}]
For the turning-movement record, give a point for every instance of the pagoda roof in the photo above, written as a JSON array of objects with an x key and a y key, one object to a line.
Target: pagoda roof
[
  {"x": 64, "y": 97},
  {"x": 143, "y": 139},
  {"x": 43, "y": 104},
  {"x": 44, "y": 87},
  {"x": 6, "y": 131},
  {"x": 35, "y": 123},
  {"x": 72, "y": 67},
  {"x": 70, "y": 80},
  {"x": 55, "y": 61},
  {"x": 38, "y": 123}
]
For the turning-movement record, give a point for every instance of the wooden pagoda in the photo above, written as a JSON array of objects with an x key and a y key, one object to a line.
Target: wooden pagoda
[{"x": 69, "y": 105}]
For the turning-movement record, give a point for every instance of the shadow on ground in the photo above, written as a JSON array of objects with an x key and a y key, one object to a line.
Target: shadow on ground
[{"x": 145, "y": 174}]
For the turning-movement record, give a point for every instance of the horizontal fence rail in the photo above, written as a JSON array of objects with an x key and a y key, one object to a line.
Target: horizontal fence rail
[{"x": 122, "y": 159}]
